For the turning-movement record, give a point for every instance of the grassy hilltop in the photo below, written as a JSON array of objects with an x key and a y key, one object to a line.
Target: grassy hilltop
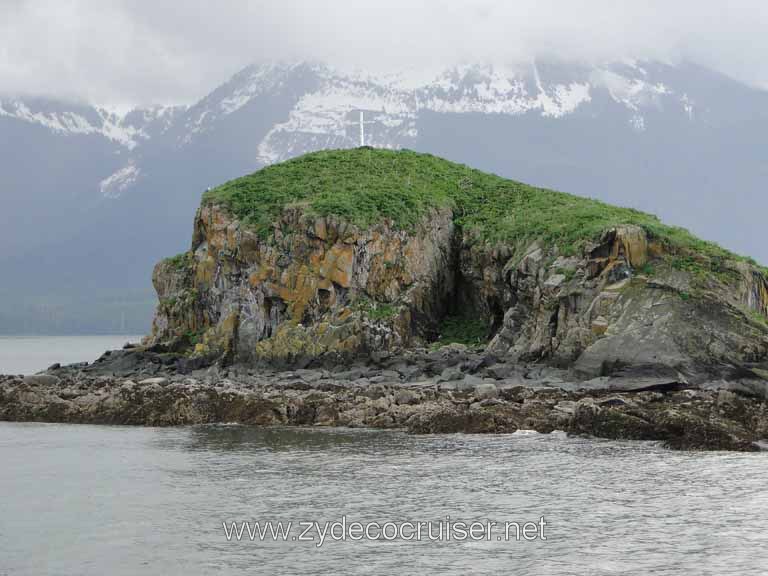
[{"x": 365, "y": 185}]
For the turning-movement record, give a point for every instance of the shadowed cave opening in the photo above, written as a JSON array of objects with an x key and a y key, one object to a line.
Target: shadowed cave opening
[{"x": 467, "y": 316}]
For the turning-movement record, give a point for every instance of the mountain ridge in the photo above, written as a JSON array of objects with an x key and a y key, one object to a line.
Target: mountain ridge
[{"x": 483, "y": 88}]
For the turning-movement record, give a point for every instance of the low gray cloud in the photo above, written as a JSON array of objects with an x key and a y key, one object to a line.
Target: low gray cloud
[{"x": 125, "y": 52}]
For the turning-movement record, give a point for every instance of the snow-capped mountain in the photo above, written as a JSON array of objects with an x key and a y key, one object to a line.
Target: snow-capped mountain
[
  {"x": 95, "y": 197},
  {"x": 321, "y": 118},
  {"x": 325, "y": 114},
  {"x": 125, "y": 130}
]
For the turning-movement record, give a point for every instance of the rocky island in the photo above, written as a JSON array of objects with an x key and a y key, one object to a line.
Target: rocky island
[{"x": 398, "y": 290}]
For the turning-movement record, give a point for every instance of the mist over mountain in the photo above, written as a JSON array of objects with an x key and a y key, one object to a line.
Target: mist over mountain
[{"x": 92, "y": 198}]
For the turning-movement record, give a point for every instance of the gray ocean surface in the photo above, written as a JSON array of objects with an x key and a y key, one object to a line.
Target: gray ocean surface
[
  {"x": 30, "y": 354},
  {"x": 94, "y": 500}
]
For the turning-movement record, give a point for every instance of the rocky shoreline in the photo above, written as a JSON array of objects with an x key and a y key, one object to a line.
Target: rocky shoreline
[{"x": 452, "y": 389}]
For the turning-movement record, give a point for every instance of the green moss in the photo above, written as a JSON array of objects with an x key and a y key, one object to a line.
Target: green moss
[
  {"x": 376, "y": 310},
  {"x": 569, "y": 273},
  {"x": 366, "y": 185},
  {"x": 184, "y": 299},
  {"x": 703, "y": 266},
  {"x": 180, "y": 261},
  {"x": 168, "y": 303},
  {"x": 755, "y": 316},
  {"x": 471, "y": 331},
  {"x": 193, "y": 338}
]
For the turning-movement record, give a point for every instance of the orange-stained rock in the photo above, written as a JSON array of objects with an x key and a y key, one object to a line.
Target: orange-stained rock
[
  {"x": 655, "y": 249},
  {"x": 321, "y": 272},
  {"x": 752, "y": 288},
  {"x": 204, "y": 271},
  {"x": 320, "y": 229},
  {"x": 337, "y": 265},
  {"x": 599, "y": 326},
  {"x": 631, "y": 242}
]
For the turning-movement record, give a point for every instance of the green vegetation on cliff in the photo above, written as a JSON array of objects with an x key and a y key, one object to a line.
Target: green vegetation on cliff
[
  {"x": 366, "y": 185},
  {"x": 180, "y": 261},
  {"x": 471, "y": 331}
]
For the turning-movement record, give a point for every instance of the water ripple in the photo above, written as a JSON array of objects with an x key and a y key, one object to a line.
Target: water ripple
[{"x": 89, "y": 499}]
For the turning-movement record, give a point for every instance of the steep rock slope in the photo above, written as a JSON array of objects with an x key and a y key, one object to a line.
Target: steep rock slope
[
  {"x": 361, "y": 252},
  {"x": 317, "y": 287}
]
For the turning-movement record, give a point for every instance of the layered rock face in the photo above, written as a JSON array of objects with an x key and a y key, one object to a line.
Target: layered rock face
[
  {"x": 319, "y": 290},
  {"x": 623, "y": 303}
]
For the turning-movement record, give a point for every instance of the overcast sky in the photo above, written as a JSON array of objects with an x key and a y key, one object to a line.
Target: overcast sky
[{"x": 125, "y": 52}]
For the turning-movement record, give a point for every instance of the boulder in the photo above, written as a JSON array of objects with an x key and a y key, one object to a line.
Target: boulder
[
  {"x": 41, "y": 380},
  {"x": 486, "y": 390}
]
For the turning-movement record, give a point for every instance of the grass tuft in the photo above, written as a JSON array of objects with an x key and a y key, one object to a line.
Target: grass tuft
[
  {"x": 471, "y": 331},
  {"x": 180, "y": 261},
  {"x": 376, "y": 311}
]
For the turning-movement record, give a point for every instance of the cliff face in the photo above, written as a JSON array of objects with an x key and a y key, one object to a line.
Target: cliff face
[
  {"x": 321, "y": 289},
  {"x": 318, "y": 287},
  {"x": 622, "y": 304}
]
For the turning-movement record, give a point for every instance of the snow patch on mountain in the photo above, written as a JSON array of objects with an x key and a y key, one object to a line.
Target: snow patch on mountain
[
  {"x": 151, "y": 121},
  {"x": 394, "y": 102},
  {"x": 232, "y": 96},
  {"x": 687, "y": 103},
  {"x": 634, "y": 93},
  {"x": 102, "y": 122},
  {"x": 114, "y": 186},
  {"x": 254, "y": 80},
  {"x": 126, "y": 129},
  {"x": 64, "y": 122},
  {"x": 491, "y": 91}
]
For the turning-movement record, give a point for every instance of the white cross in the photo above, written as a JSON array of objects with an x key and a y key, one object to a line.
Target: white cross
[{"x": 362, "y": 123}]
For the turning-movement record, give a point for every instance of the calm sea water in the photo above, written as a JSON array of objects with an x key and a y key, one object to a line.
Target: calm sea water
[
  {"x": 85, "y": 500},
  {"x": 30, "y": 354}
]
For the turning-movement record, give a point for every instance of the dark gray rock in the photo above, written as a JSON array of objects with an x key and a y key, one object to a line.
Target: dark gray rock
[
  {"x": 745, "y": 387},
  {"x": 450, "y": 374},
  {"x": 500, "y": 371}
]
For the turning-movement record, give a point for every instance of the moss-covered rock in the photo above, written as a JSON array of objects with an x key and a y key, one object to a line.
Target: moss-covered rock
[{"x": 339, "y": 254}]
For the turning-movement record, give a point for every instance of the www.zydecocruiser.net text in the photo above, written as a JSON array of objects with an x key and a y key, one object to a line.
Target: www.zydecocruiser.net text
[{"x": 344, "y": 530}]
